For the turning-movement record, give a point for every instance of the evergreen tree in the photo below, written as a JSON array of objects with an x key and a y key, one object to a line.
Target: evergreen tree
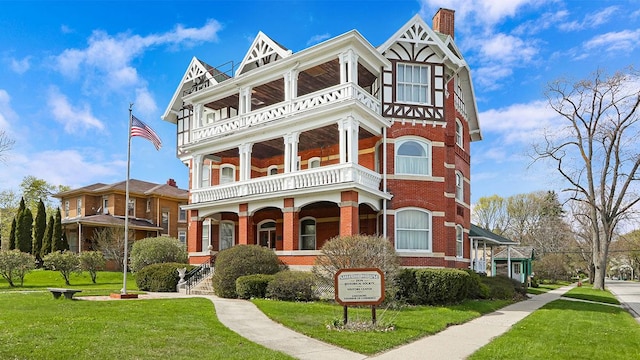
[
  {"x": 24, "y": 231},
  {"x": 56, "y": 240},
  {"x": 46, "y": 240},
  {"x": 64, "y": 244},
  {"x": 12, "y": 235},
  {"x": 39, "y": 229}
]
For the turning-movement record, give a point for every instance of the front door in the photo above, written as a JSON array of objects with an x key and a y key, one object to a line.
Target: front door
[{"x": 267, "y": 234}]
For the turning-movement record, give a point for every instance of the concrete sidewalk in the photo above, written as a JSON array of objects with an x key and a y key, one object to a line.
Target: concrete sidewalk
[{"x": 628, "y": 293}]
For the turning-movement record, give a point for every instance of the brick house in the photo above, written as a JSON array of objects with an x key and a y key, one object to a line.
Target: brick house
[
  {"x": 154, "y": 209},
  {"x": 288, "y": 150}
]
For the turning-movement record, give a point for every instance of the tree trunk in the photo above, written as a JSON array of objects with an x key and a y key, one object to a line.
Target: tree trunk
[
  {"x": 600, "y": 262},
  {"x": 592, "y": 272}
]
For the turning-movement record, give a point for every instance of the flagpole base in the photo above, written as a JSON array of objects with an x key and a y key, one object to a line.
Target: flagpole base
[{"x": 123, "y": 296}]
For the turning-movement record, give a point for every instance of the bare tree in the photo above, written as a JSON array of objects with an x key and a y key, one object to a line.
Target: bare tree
[
  {"x": 490, "y": 212},
  {"x": 6, "y": 144},
  {"x": 110, "y": 241},
  {"x": 596, "y": 151}
]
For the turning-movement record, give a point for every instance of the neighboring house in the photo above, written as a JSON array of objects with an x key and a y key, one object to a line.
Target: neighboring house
[
  {"x": 154, "y": 209},
  {"x": 291, "y": 149},
  {"x": 514, "y": 262},
  {"x": 483, "y": 243}
]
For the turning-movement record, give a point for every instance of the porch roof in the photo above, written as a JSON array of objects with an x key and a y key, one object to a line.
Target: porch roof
[
  {"x": 517, "y": 253},
  {"x": 478, "y": 233},
  {"x": 103, "y": 220}
]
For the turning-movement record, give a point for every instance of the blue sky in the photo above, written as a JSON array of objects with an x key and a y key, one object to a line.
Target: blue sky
[{"x": 68, "y": 71}]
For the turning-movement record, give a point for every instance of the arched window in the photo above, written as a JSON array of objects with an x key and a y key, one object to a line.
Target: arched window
[
  {"x": 459, "y": 241},
  {"x": 227, "y": 234},
  {"x": 413, "y": 157},
  {"x": 314, "y": 163},
  {"x": 459, "y": 187},
  {"x": 459, "y": 130},
  {"x": 308, "y": 234},
  {"x": 227, "y": 174},
  {"x": 272, "y": 170},
  {"x": 413, "y": 230}
]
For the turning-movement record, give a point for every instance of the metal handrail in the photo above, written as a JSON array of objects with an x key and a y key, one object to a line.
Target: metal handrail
[{"x": 197, "y": 274}]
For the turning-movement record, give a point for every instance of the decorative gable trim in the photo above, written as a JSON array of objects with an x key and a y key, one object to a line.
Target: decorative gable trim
[
  {"x": 197, "y": 76},
  {"x": 263, "y": 51}
]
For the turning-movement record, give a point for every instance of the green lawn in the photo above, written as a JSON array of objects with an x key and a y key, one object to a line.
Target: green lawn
[
  {"x": 568, "y": 330},
  {"x": 410, "y": 323},
  {"x": 35, "y": 326},
  {"x": 106, "y": 282},
  {"x": 586, "y": 292}
]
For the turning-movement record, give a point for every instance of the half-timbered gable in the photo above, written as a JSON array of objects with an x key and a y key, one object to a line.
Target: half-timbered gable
[{"x": 263, "y": 51}]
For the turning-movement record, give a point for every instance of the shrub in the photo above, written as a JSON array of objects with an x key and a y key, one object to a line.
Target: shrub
[
  {"x": 238, "y": 261},
  {"x": 357, "y": 251},
  {"x": 292, "y": 286},
  {"x": 92, "y": 261},
  {"x": 253, "y": 286},
  {"x": 156, "y": 250},
  {"x": 433, "y": 286},
  {"x": 65, "y": 262},
  {"x": 476, "y": 288},
  {"x": 501, "y": 287},
  {"x": 160, "y": 277},
  {"x": 14, "y": 265}
]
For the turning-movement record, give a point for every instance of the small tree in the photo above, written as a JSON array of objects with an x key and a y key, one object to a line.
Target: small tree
[
  {"x": 48, "y": 236},
  {"x": 92, "y": 261},
  {"x": 157, "y": 250},
  {"x": 64, "y": 262},
  {"x": 111, "y": 242},
  {"x": 12, "y": 235},
  {"x": 24, "y": 231},
  {"x": 57, "y": 242},
  {"x": 14, "y": 265}
]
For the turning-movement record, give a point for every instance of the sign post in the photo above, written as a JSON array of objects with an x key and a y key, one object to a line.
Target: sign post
[{"x": 359, "y": 287}]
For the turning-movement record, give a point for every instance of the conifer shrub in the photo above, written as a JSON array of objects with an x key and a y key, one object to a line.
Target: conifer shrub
[
  {"x": 242, "y": 260},
  {"x": 292, "y": 286},
  {"x": 253, "y": 286},
  {"x": 160, "y": 277}
]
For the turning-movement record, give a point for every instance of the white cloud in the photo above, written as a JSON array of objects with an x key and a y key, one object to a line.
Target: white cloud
[
  {"x": 626, "y": 40},
  {"x": 6, "y": 112},
  {"x": 592, "y": 20},
  {"x": 544, "y": 22},
  {"x": 318, "y": 38},
  {"x": 498, "y": 56},
  {"x": 74, "y": 118},
  {"x": 519, "y": 123},
  {"x": 144, "y": 101},
  {"x": 485, "y": 13},
  {"x": 20, "y": 66}
]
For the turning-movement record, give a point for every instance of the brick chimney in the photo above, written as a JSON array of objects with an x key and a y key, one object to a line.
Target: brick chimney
[
  {"x": 172, "y": 182},
  {"x": 443, "y": 21}
]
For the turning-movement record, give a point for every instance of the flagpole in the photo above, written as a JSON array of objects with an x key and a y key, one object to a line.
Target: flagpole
[{"x": 126, "y": 206}]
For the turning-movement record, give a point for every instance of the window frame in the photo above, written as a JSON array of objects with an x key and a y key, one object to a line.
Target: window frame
[
  {"x": 222, "y": 178},
  {"x": 162, "y": 222},
  {"x": 459, "y": 186},
  {"x": 206, "y": 230},
  {"x": 182, "y": 213},
  {"x": 131, "y": 209},
  {"x": 401, "y": 96},
  {"x": 270, "y": 170},
  {"x": 205, "y": 176},
  {"x": 182, "y": 234},
  {"x": 302, "y": 235},
  {"x": 459, "y": 134},
  {"x": 220, "y": 235},
  {"x": 79, "y": 206},
  {"x": 459, "y": 241},
  {"x": 426, "y": 146},
  {"x": 428, "y": 230},
  {"x": 66, "y": 208},
  {"x": 312, "y": 161}
]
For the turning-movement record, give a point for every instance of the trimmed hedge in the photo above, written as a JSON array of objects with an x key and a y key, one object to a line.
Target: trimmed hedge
[
  {"x": 501, "y": 287},
  {"x": 433, "y": 286},
  {"x": 292, "y": 286},
  {"x": 160, "y": 277},
  {"x": 238, "y": 261},
  {"x": 253, "y": 286}
]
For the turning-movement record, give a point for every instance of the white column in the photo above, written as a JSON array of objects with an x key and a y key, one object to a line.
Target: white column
[
  {"x": 287, "y": 154},
  {"x": 245, "y": 161},
  {"x": 295, "y": 138},
  {"x": 198, "y": 112},
  {"x": 290, "y": 85},
  {"x": 244, "y": 105},
  {"x": 348, "y": 67},
  {"x": 291, "y": 151},
  {"x": 79, "y": 237},
  {"x": 348, "y": 128},
  {"x": 196, "y": 172},
  {"x": 509, "y": 261},
  {"x": 342, "y": 141}
]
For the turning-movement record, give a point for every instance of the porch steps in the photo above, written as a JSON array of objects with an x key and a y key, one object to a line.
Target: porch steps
[{"x": 204, "y": 287}]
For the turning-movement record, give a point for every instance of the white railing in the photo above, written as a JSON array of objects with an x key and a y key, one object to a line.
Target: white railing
[
  {"x": 304, "y": 179},
  {"x": 280, "y": 110},
  {"x": 480, "y": 265}
]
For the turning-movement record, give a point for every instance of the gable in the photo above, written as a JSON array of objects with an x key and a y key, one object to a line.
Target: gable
[{"x": 263, "y": 51}]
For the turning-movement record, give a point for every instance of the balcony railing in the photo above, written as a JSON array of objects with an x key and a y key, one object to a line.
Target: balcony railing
[
  {"x": 319, "y": 99},
  {"x": 304, "y": 179}
]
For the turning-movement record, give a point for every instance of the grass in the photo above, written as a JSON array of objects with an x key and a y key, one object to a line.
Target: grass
[
  {"x": 106, "y": 282},
  {"x": 410, "y": 323},
  {"x": 544, "y": 287},
  {"x": 568, "y": 330},
  {"x": 586, "y": 292},
  {"x": 35, "y": 326}
]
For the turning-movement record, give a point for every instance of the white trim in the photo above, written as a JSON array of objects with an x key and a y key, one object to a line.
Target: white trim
[
  {"x": 233, "y": 233},
  {"x": 428, "y": 229},
  {"x": 426, "y": 146},
  {"x": 233, "y": 173},
  {"x": 315, "y": 233}
]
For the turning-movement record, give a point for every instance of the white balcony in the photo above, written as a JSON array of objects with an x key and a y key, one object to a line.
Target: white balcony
[
  {"x": 316, "y": 179},
  {"x": 319, "y": 99}
]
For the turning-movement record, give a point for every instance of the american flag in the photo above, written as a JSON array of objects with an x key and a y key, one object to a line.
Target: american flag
[{"x": 138, "y": 128}]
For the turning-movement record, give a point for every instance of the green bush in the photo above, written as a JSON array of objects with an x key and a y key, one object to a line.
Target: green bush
[
  {"x": 160, "y": 277},
  {"x": 156, "y": 250},
  {"x": 238, "y": 261},
  {"x": 292, "y": 286},
  {"x": 92, "y": 261},
  {"x": 65, "y": 262},
  {"x": 14, "y": 265},
  {"x": 433, "y": 286},
  {"x": 476, "y": 288},
  {"x": 253, "y": 286},
  {"x": 501, "y": 287}
]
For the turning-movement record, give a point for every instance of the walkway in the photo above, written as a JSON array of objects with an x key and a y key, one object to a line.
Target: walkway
[{"x": 628, "y": 293}]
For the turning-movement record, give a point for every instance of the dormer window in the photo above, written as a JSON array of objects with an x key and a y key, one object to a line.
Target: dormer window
[{"x": 413, "y": 84}]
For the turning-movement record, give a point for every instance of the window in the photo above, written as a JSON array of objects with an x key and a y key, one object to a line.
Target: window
[
  {"x": 413, "y": 230},
  {"x": 206, "y": 235},
  {"x": 165, "y": 221},
  {"x": 79, "y": 207},
  {"x": 182, "y": 213},
  {"x": 308, "y": 234},
  {"x": 182, "y": 237},
  {"x": 272, "y": 170},
  {"x": 413, "y": 84},
  {"x": 206, "y": 175},
  {"x": 148, "y": 205},
  {"x": 459, "y": 129},
  {"x": 227, "y": 174},
  {"x": 132, "y": 207},
  {"x": 413, "y": 157},
  {"x": 227, "y": 230},
  {"x": 459, "y": 187},
  {"x": 66, "y": 208},
  {"x": 105, "y": 205},
  {"x": 267, "y": 234},
  {"x": 459, "y": 242},
  {"x": 314, "y": 163}
]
